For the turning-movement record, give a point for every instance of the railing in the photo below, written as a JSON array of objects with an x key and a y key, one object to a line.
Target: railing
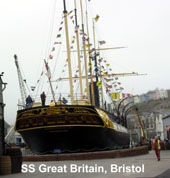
[{"x": 63, "y": 98}]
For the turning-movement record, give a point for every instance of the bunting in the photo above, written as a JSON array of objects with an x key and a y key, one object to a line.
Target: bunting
[
  {"x": 124, "y": 95},
  {"x": 57, "y": 43},
  {"x": 115, "y": 95},
  {"x": 99, "y": 84},
  {"x": 48, "y": 70},
  {"x": 70, "y": 12},
  {"x": 90, "y": 64},
  {"x": 100, "y": 60},
  {"x": 71, "y": 16},
  {"x": 109, "y": 86},
  {"x": 50, "y": 57},
  {"x": 96, "y": 18},
  {"x": 106, "y": 74},
  {"x": 59, "y": 35},
  {"x": 60, "y": 29},
  {"x": 102, "y": 42}
]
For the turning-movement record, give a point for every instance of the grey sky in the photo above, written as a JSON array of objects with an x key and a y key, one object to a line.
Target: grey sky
[{"x": 141, "y": 25}]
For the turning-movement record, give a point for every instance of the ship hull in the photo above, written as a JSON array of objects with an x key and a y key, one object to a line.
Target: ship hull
[
  {"x": 70, "y": 129},
  {"x": 69, "y": 139}
]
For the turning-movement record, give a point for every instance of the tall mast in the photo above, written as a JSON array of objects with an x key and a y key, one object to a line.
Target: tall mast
[
  {"x": 95, "y": 62},
  {"x": 94, "y": 37},
  {"x": 90, "y": 59},
  {"x": 68, "y": 52},
  {"x": 85, "y": 56},
  {"x": 102, "y": 96},
  {"x": 78, "y": 50}
]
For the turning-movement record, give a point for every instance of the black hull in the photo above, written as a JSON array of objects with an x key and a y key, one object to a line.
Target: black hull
[
  {"x": 70, "y": 129},
  {"x": 75, "y": 139}
]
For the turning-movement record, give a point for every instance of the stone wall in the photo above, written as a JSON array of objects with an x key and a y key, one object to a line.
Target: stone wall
[{"x": 89, "y": 155}]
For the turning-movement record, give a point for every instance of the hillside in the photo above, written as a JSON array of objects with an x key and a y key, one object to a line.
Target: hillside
[{"x": 154, "y": 105}]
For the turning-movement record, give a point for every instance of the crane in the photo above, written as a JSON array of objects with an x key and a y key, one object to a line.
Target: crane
[
  {"x": 141, "y": 124},
  {"x": 21, "y": 81}
]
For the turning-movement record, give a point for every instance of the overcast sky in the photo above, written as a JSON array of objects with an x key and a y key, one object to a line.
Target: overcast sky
[{"x": 141, "y": 25}]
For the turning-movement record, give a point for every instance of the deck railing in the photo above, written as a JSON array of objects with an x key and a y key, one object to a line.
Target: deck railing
[{"x": 63, "y": 98}]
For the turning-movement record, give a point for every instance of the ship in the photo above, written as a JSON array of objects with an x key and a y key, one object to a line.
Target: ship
[{"x": 80, "y": 124}]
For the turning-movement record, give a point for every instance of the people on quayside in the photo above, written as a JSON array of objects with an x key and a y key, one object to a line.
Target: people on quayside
[{"x": 157, "y": 146}]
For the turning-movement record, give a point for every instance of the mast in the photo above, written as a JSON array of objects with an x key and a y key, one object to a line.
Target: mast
[
  {"x": 78, "y": 50},
  {"x": 96, "y": 96},
  {"x": 95, "y": 60},
  {"x": 90, "y": 61},
  {"x": 85, "y": 56},
  {"x": 102, "y": 96},
  {"x": 68, "y": 52}
]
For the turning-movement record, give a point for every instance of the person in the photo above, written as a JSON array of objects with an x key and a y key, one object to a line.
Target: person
[
  {"x": 43, "y": 97},
  {"x": 29, "y": 102},
  {"x": 52, "y": 103},
  {"x": 64, "y": 101},
  {"x": 59, "y": 99},
  {"x": 157, "y": 146}
]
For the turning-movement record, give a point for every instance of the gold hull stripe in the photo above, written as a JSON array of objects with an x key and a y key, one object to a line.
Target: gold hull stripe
[{"x": 59, "y": 126}]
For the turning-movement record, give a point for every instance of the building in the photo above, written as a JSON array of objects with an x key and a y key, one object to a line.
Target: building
[
  {"x": 159, "y": 125},
  {"x": 152, "y": 95},
  {"x": 163, "y": 94},
  {"x": 168, "y": 92},
  {"x": 152, "y": 123},
  {"x": 166, "y": 126},
  {"x": 136, "y": 99}
]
